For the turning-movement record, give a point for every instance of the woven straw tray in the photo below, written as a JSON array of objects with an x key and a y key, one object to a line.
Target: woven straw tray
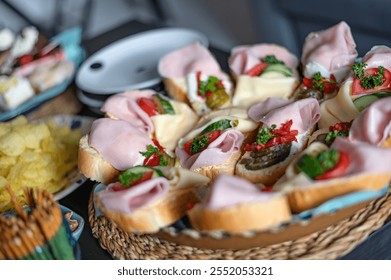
[{"x": 319, "y": 240}]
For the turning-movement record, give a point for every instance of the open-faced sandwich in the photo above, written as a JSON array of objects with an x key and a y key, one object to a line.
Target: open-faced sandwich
[
  {"x": 161, "y": 118},
  {"x": 262, "y": 71},
  {"x": 327, "y": 58},
  {"x": 286, "y": 127},
  {"x": 215, "y": 144},
  {"x": 191, "y": 74},
  {"x": 321, "y": 173},
  {"x": 145, "y": 199},
  {"x": 113, "y": 146},
  {"x": 235, "y": 205},
  {"x": 370, "y": 81}
]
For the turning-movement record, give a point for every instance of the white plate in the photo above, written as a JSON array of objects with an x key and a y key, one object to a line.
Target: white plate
[
  {"x": 90, "y": 102},
  {"x": 131, "y": 63},
  {"x": 75, "y": 178}
]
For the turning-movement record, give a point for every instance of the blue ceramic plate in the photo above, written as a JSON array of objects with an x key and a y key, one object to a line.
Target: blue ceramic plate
[{"x": 76, "y": 217}]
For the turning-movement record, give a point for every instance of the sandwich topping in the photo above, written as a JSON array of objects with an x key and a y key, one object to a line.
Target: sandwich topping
[
  {"x": 325, "y": 165},
  {"x": 135, "y": 176},
  {"x": 317, "y": 87},
  {"x": 155, "y": 105},
  {"x": 156, "y": 155},
  {"x": 338, "y": 130},
  {"x": 270, "y": 64},
  {"x": 272, "y": 145},
  {"x": 208, "y": 135}
]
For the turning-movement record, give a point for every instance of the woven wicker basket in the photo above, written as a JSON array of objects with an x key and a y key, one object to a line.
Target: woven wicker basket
[{"x": 329, "y": 243}]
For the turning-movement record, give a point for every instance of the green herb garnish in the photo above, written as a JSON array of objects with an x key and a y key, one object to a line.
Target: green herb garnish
[
  {"x": 316, "y": 166},
  {"x": 317, "y": 81},
  {"x": 328, "y": 159},
  {"x": 198, "y": 144},
  {"x": 151, "y": 150},
  {"x": 271, "y": 59},
  {"x": 310, "y": 166},
  {"x": 265, "y": 134},
  {"x": 128, "y": 177},
  {"x": 211, "y": 85},
  {"x": 368, "y": 80},
  {"x": 330, "y": 137},
  {"x": 219, "y": 125}
]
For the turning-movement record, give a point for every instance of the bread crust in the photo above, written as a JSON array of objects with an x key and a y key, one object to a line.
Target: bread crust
[
  {"x": 92, "y": 165},
  {"x": 176, "y": 88},
  {"x": 150, "y": 218},
  {"x": 301, "y": 199},
  {"x": 242, "y": 217}
]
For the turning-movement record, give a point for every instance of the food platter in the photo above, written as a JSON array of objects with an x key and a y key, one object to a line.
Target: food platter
[{"x": 74, "y": 53}]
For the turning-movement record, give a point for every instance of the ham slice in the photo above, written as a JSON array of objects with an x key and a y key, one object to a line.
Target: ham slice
[
  {"x": 229, "y": 191},
  {"x": 118, "y": 142},
  {"x": 189, "y": 59},
  {"x": 124, "y": 106},
  {"x": 364, "y": 158},
  {"x": 218, "y": 152},
  {"x": 330, "y": 51},
  {"x": 378, "y": 56},
  {"x": 374, "y": 124},
  {"x": 304, "y": 113},
  {"x": 243, "y": 58},
  {"x": 130, "y": 199}
]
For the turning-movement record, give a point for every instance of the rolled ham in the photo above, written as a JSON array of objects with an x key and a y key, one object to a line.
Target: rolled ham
[
  {"x": 118, "y": 142},
  {"x": 228, "y": 191},
  {"x": 243, "y": 58},
  {"x": 218, "y": 152},
  {"x": 374, "y": 124},
  {"x": 330, "y": 51},
  {"x": 378, "y": 56},
  {"x": 192, "y": 58},
  {"x": 130, "y": 199},
  {"x": 304, "y": 113},
  {"x": 124, "y": 106}
]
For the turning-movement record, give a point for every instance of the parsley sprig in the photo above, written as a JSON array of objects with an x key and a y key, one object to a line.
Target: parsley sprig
[
  {"x": 198, "y": 144},
  {"x": 151, "y": 150},
  {"x": 265, "y": 134},
  {"x": 271, "y": 59},
  {"x": 368, "y": 80},
  {"x": 212, "y": 84}
]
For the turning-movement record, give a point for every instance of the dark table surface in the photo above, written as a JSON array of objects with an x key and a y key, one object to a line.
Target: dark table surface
[{"x": 376, "y": 247}]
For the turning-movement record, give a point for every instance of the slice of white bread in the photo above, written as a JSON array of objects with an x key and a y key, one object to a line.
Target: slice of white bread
[
  {"x": 235, "y": 205},
  {"x": 243, "y": 217},
  {"x": 186, "y": 189},
  {"x": 304, "y": 195},
  {"x": 92, "y": 165}
]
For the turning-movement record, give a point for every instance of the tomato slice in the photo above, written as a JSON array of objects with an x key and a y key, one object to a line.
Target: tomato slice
[
  {"x": 161, "y": 149},
  {"x": 148, "y": 106},
  {"x": 338, "y": 170},
  {"x": 386, "y": 86},
  {"x": 257, "y": 69},
  {"x": 119, "y": 187},
  {"x": 213, "y": 135},
  {"x": 152, "y": 160}
]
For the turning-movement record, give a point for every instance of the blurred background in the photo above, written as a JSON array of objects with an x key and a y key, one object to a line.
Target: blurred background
[{"x": 226, "y": 23}]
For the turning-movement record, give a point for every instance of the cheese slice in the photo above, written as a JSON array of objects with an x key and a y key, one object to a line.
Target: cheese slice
[{"x": 251, "y": 90}]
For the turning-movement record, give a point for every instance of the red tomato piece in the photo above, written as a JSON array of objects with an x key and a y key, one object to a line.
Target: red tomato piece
[
  {"x": 157, "y": 144},
  {"x": 152, "y": 160},
  {"x": 213, "y": 135},
  {"x": 119, "y": 187},
  {"x": 386, "y": 86},
  {"x": 338, "y": 170},
  {"x": 307, "y": 82},
  {"x": 257, "y": 69},
  {"x": 148, "y": 106}
]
